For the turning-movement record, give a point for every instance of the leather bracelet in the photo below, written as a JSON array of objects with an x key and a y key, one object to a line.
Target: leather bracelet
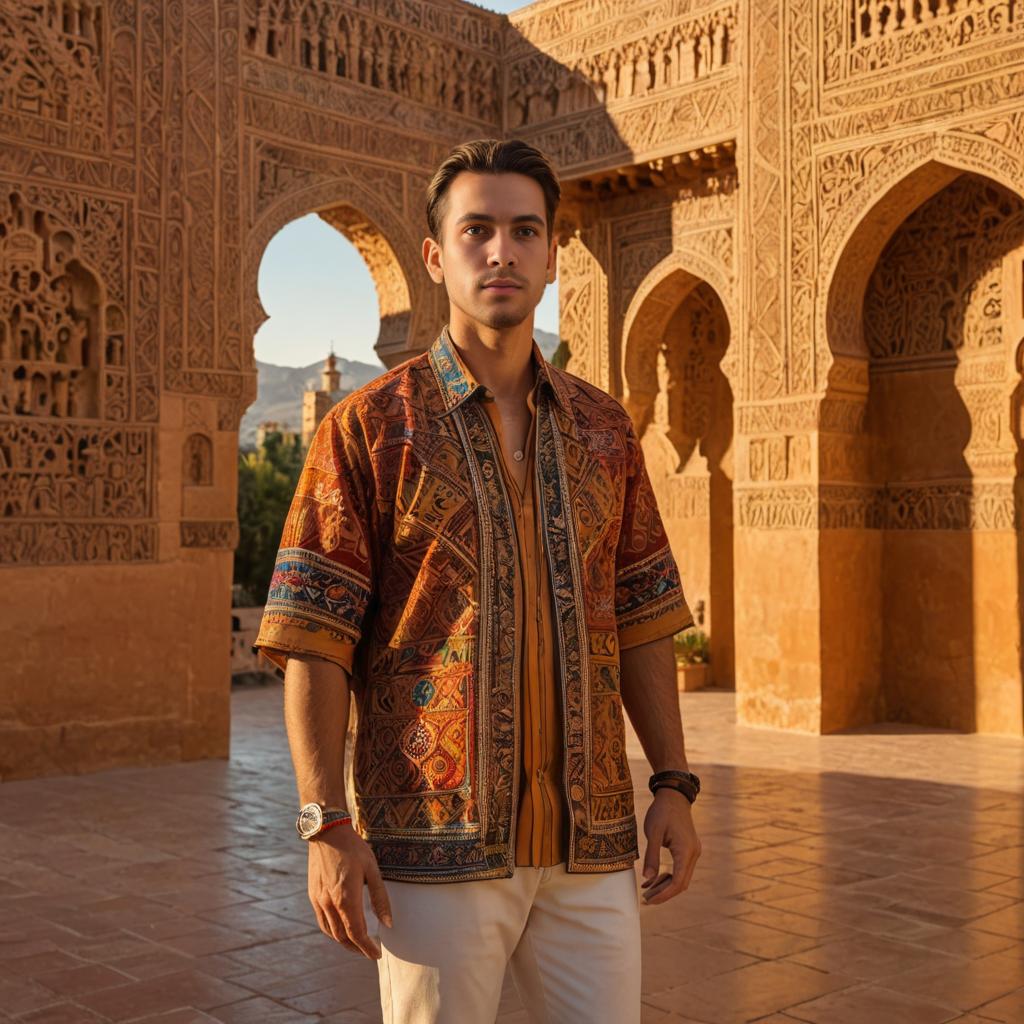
[
  {"x": 685, "y": 782},
  {"x": 678, "y": 785}
]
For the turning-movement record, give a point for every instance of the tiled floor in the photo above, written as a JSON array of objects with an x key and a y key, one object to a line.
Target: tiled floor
[{"x": 870, "y": 877}]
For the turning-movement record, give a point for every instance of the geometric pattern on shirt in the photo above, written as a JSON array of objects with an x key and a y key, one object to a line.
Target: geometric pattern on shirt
[{"x": 403, "y": 492}]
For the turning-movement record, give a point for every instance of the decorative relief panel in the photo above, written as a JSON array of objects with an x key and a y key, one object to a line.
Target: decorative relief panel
[
  {"x": 344, "y": 98},
  {"x": 74, "y": 471},
  {"x": 702, "y": 113},
  {"x": 222, "y": 534},
  {"x": 234, "y": 351},
  {"x": 583, "y": 307},
  {"x": 198, "y": 461},
  {"x": 687, "y": 367},
  {"x": 682, "y": 497},
  {"x": 61, "y": 543},
  {"x": 574, "y": 75},
  {"x": 938, "y": 286},
  {"x": 958, "y": 506},
  {"x": 780, "y": 457},
  {"x": 448, "y": 60},
  {"x": 865, "y": 36},
  {"x": 50, "y": 63},
  {"x": 337, "y": 134},
  {"x": 763, "y": 373},
  {"x": 638, "y": 245},
  {"x": 62, "y": 345},
  {"x": 872, "y": 106}
]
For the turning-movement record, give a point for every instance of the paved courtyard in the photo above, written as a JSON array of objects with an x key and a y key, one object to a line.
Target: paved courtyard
[{"x": 868, "y": 877}]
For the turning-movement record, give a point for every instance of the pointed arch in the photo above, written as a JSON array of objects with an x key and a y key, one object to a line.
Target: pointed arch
[
  {"x": 385, "y": 243},
  {"x": 887, "y": 194}
]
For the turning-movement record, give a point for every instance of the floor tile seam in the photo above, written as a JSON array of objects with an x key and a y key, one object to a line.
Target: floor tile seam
[
  {"x": 963, "y": 1010},
  {"x": 872, "y": 984}
]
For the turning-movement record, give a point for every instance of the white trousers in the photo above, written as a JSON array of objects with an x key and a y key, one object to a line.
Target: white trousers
[{"x": 572, "y": 941}]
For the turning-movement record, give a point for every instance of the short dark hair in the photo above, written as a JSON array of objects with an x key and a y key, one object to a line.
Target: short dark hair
[{"x": 492, "y": 156}]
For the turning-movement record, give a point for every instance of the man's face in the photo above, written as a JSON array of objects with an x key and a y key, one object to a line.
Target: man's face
[{"x": 494, "y": 255}]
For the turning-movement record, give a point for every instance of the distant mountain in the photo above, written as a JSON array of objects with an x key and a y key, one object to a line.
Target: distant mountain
[
  {"x": 546, "y": 342},
  {"x": 279, "y": 389},
  {"x": 279, "y": 392}
]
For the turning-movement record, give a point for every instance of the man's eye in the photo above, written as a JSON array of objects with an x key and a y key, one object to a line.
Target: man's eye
[
  {"x": 531, "y": 230},
  {"x": 474, "y": 227}
]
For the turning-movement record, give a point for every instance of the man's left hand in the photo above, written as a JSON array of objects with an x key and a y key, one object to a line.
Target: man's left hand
[{"x": 669, "y": 822}]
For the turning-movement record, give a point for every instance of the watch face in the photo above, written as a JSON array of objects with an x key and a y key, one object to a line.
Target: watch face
[{"x": 310, "y": 821}]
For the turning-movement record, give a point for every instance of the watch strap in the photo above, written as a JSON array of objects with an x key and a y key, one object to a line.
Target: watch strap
[
  {"x": 316, "y": 817},
  {"x": 685, "y": 782}
]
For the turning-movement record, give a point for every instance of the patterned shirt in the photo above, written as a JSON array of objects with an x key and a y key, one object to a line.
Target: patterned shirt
[
  {"x": 539, "y": 840},
  {"x": 398, "y": 562}
]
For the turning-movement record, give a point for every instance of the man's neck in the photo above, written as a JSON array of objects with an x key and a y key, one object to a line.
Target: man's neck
[{"x": 501, "y": 360}]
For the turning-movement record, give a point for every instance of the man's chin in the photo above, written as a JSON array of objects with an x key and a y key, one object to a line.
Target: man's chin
[{"x": 502, "y": 321}]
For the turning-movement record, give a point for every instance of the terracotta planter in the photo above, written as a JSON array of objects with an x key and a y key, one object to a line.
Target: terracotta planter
[{"x": 692, "y": 677}]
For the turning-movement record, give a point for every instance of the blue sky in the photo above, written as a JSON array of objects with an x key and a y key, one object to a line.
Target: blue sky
[{"x": 316, "y": 290}]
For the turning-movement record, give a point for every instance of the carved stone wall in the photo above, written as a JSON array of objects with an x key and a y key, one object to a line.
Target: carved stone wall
[
  {"x": 681, "y": 403},
  {"x": 939, "y": 450},
  {"x": 754, "y": 157}
]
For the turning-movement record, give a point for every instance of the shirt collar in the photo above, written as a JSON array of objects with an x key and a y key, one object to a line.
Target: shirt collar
[{"x": 457, "y": 383}]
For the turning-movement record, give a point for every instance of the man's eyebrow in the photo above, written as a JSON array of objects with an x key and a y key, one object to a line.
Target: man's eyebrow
[{"x": 523, "y": 218}]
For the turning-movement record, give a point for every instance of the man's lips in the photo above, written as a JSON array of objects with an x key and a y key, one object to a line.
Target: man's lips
[{"x": 502, "y": 287}]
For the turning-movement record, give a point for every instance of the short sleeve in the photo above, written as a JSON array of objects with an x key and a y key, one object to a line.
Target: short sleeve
[
  {"x": 323, "y": 576},
  {"x": 649, "y": 601}
]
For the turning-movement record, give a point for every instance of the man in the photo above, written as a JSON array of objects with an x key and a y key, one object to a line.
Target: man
[{"x": 475, "y": 553}]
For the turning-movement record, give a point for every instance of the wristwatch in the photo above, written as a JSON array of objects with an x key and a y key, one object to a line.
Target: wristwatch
[
  {"x": 675, "y": 778},
  {"x": 314, "y": 818}
]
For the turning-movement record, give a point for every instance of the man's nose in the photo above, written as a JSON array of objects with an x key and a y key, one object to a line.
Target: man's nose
[{"x": 502, "y": 252}]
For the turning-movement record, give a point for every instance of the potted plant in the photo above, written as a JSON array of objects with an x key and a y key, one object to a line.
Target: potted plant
[{"x": 693, "y": 656}]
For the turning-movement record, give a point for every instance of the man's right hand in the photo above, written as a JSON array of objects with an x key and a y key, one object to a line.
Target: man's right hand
[{"x": 340, "y": 862}]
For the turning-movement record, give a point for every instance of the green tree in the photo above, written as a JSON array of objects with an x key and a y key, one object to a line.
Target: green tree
[{"x": 266, "y": 483}]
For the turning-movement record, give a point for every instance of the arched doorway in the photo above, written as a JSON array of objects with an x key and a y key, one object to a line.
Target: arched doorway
[
  {"x": 677, "y": 334},
  {"x": 332, "y": 292},
  {"x": 928, "y": 311}
]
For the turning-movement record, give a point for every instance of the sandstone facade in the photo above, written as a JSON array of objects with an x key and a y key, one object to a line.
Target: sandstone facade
[{"x": 791, "y": 244}]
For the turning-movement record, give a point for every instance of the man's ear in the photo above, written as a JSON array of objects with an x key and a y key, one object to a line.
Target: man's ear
[
  {"x": 432, "y": 260},
  {"x": 552, "y": 271}
]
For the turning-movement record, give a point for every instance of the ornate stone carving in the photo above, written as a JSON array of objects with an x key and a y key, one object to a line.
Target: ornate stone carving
[
  {"x": 844, "y": 506},
  {"x": 775, "y": 508},
  {"x": 583, "y": 307},
  {"x": 63, "y": 348},
  {"x": 209, "y": 534},
  {"x": 50, "y": 59},
  {"x": 71, "y": 471},
  {"x": 62, "y": 543},
  {"x": 587, "y": 141},
  {"x": 451, "y": 63},
  {"x": 573, "y": 75},
  {"x": 198, "y": 461},
  {"x": 956, "y": 506},
  {"x": 763, "y": 375},
  {"x": 948, "y": 256},
  {"x": 865, "y": 36},
  {"x": 780, "y": 457}
]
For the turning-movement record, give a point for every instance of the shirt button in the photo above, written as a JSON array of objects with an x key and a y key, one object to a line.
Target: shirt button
[{"x": 518, "y": 456}]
